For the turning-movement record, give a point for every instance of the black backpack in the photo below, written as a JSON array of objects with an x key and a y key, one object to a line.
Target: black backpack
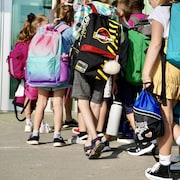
[{"x": 98, "y": 43}]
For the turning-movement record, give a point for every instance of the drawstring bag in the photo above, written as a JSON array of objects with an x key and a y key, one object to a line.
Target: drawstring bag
[{"x": 148, "y": 119}]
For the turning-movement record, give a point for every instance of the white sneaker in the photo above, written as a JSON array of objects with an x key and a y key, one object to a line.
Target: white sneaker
[
  {"x": 78, "y": 140},
  {"x": 45, "y": 128},
  {"x": 28, "y": 128}
]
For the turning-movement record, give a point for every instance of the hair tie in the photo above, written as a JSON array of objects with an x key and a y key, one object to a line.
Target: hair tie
[{"x": 30, "y": 17}]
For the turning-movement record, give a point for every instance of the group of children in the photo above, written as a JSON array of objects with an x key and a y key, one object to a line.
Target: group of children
[{"x": 89, "y": 93}]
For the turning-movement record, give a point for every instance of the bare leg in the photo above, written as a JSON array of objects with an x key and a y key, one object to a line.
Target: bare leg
[
  {"x": 102, "y": 117},
  {"x": 40, "y": 107},
  {"x": 58, "y": 109}
]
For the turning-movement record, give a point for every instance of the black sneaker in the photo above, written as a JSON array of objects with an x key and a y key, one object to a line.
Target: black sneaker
[
  {"x": 33, "y": 140},
  {"x": 141, "y": 149},
  {"x": 159, "y": 172},
  {"x": 72, "y": 123},
  {"x": 58, "y": 142}
]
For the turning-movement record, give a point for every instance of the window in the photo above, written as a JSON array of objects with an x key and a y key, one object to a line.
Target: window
[{"x": 20, "y": 10}]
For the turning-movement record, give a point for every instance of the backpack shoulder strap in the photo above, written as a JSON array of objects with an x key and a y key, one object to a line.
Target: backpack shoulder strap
[
  {"x": 92, "y": 6},
  {"x": 134, "y": 19},
  {"x": 61, "y": 27}
]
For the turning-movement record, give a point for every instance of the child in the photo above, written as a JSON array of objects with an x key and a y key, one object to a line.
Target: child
[
  {"x": 32, "y": 23},
  {"x": 133, "y": 90},
  {"x": 159, "y": 19},
  {"x": 123, "y": 12},
  {"x": 88, "y": 91},
  {"x": 57, "y": 91}
]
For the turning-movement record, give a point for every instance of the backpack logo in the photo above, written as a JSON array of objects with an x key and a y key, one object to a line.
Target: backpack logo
[{"x": 103, "y": 35}]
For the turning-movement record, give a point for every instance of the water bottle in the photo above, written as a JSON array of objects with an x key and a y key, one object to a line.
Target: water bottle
[{"x": 114, "y": 118}]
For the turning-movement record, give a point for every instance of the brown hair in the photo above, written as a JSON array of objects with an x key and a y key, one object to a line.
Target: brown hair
[
  {"x": 164, "y": 1},
  {"x": 30, "y": 26},
  {"x": 137, "y": 5},
  {"x": 63, "y": 13},
  {"x": 126, "y": 7}
]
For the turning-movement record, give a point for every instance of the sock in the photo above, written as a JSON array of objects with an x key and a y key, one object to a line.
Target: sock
[
  {"x": 35, "y": 133},
  {"x": 165, "y": 160},
  {"x": 178, "y": 141},
  {"x": 28, "y": 121},
  {"x": 82, "y": 134},
  {"x": 57, "y": 134}
]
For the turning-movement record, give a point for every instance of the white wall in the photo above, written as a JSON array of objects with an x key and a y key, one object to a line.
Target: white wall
[{"x": 5, "y": 40}]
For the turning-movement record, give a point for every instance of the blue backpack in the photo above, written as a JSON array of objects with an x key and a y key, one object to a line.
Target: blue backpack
[
  {"x": 148, "y": 119},
  {"x": 173, "y": 48}
]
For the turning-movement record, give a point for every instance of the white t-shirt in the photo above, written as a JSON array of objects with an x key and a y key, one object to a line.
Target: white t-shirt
[{"x": 162, "y": 15}]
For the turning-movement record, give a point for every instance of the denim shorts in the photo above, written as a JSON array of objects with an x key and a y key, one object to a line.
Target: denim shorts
[
  {"x": 87, "y": 88},
  {"x": 63, "y": 85}
]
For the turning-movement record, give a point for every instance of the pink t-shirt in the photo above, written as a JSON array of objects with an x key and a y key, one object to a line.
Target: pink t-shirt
[{"x": 138, "y": 16}]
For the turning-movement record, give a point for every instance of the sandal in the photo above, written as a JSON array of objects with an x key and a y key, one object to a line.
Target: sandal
[
  {"x": 87, "y": 150},
  {"x": 97, "y": 148}
]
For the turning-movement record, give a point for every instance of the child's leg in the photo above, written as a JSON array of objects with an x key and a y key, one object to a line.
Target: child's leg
[
  {"x": 58, "y": 109},
  {"x": 40, "y": 107},
  {"x": 88, "y": 118}
]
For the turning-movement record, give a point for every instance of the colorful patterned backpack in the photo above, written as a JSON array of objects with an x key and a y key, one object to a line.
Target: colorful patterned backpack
[{"x": 44, "y": 61}]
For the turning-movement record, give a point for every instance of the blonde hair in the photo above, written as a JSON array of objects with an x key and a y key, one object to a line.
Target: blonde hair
[{"x": 30, "y": 26}]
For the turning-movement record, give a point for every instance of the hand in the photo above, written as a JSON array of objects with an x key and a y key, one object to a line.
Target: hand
[{"x": 148, "y": 86}]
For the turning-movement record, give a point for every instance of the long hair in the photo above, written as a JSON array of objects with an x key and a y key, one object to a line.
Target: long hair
[
  {"x": 30, "y": 26},
  {"x": 63, "y": 12}
]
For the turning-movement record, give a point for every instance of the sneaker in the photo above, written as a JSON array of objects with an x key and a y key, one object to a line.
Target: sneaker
[
  {"x": 58, "y": 142},
  {"x": 33, "y": 140},
  {"x": 28, "y": 128},
  {"x": 75, "y": 130},
  {"x": 72, "y": 123},
  {"x": 158, "y": 172},
  {"x": 78, "y": 140},
  {"x": 141, "y": 149},
  {"x": 106, "y": 147},
  {"x": 45, "y": 128},
  {"x": 100, "y": 134},
  {"x": 125, "y": 139}
]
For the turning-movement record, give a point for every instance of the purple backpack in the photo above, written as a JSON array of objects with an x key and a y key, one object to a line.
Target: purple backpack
[{"x": 17, "y": 60}]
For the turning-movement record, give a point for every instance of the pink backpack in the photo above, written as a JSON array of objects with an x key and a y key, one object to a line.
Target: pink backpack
[
  {"x": 17, "y": 60},
  {"x": 22, "y": 91},
  {"x": 47, "y": 64}
]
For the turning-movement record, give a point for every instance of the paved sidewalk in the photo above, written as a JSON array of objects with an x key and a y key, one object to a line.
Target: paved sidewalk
[{"x": 20, "y": 161}]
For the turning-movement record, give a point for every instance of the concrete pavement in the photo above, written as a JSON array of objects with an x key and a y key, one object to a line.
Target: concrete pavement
[{"x": 21, "y": 161}]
